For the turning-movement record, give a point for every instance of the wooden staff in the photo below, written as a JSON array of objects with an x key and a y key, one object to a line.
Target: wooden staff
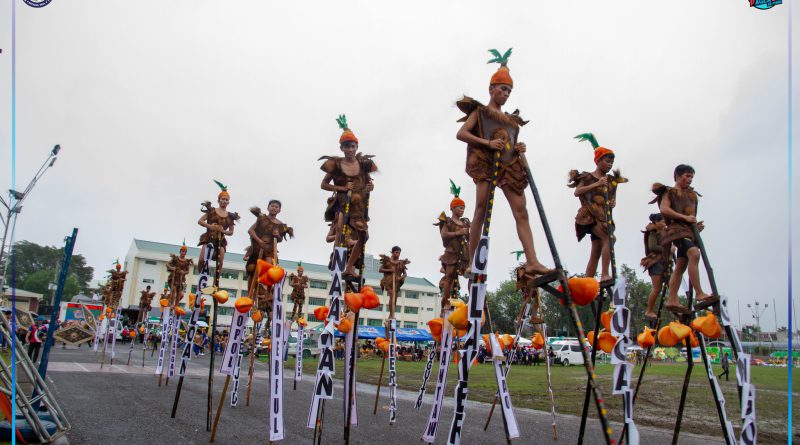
[
  {"x": 217, "y": 271},
  {"x": 253, "y": 290}
]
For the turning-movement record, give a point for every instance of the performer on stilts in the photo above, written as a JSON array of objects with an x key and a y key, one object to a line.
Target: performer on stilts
[
  {"x": 597, "y": 192},
  {"x": 113, "y": 309},
  {"x": 657, "y": 261},
  {"x": 299, "y": 283},
  {"x": 678, "y": 205},
  {"x": 350, "y": 180},
  {"x": 454, "y": 231},
  {"x": 144, "y": 305},
  {"x": 178, "y": 268}
]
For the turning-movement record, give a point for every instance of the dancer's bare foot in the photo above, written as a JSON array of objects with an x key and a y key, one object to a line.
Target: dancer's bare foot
[
  {"x": 537, "y": 268},
  {"x": 650, "y": 315},
  {"x": 605, "y": 278},
  {"x": 703, "y": 301},
  {"x": 674, "y": 305}
]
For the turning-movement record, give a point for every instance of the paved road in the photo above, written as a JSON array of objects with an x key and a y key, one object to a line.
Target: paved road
[{"x": 124, "y": 404}]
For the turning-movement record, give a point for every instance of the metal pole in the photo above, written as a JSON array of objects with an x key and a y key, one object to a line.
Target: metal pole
[{"x": 62, "y": 279}]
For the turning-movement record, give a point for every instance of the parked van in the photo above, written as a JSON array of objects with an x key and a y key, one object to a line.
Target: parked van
[
  {"x": 310, "y": 345},
  {"x": 567, "y": 352}
]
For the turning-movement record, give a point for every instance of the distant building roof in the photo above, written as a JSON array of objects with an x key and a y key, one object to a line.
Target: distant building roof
[
  {"x": 166, "y": 248},
  {"x": 22, "y": 293},
  {"x": 80, "y": 298}
]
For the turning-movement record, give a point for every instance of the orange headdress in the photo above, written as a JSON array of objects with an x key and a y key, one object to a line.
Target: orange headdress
[
  {"x": 347, "y": 133},
  {"x": 183, "y": 247},
  {"x": 599, "y": 151},
  {"x": 456, "y": 200},
  {"x": 502, "y": 75},
  {"x": 224, "y": 190}
]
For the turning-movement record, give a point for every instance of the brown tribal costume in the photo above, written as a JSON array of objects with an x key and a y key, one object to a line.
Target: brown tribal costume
[
  {"x": 685, "y": 202},
  {"x": 214, "y": 218},
  {"x": 456, "y": 253},
  {"x": 358, "y": 198},
  {"x": 299, "y": 285},
  {"x": 393, "y": 272},
  {"x": 494, "y": 125},
  {"x": 117, "y": 283},
  {"x": 177, "y": 268},
  {"x": 657, "y": 253},
  {"x": 593, "y": 209},
  {"x": 265, "y": 230},
  {"x": 144, "y": 303}
]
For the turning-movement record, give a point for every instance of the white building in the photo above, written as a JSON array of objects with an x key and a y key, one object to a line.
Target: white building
[{"x": 417, "y": 303}]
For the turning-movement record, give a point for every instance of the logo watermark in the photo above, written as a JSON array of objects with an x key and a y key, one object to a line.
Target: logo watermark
[
  {"x": 758, "y": 4},
  {"x": 43, "y": 3}
]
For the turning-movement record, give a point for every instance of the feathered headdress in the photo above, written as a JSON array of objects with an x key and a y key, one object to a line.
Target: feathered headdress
[
  {"x": 502, "y": 75},
  {"x": 455, "y": 191},
  {"x": 299, "y": 266},
  {"x": 183, "y": 246},
  {"x": 223, "y": 190},
  {"x": 347, "y": 133},
  {"x": 599, "y": 151}
]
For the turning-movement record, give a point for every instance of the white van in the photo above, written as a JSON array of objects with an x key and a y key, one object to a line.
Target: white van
[{"x": 568, "y": 352}]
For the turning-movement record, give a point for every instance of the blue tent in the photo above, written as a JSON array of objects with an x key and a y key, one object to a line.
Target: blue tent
[{"x": 403, "y": 334}]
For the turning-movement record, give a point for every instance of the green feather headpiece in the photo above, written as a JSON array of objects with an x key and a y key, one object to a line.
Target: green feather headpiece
[
  {"x": 588, "y": 137},
  {"x": 342, "y": 121},
  {"x": 454, "y": 190},
  {"x": 518, "y": 253},
  {"x": 498, "y": 58},
  {"x": 221, "y": 186}
]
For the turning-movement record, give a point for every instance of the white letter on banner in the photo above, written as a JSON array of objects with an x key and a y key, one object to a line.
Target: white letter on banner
[
  {"x": 476, "y": 301},
  {"x": 743, "y": 369},
  {"x": 276, "y": 367},
  {"x": 441, "y": 379},
  {"x": 481, "y": 259},
  {"x": 232, "y": 348},
  {"x": 505, "y": 398},
  {"x": 621, "y": 380}
]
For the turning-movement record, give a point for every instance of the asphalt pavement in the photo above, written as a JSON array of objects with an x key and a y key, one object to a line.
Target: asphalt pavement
[{"x": 123, "y": 403}]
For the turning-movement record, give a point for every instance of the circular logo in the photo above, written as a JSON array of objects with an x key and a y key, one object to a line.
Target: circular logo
[{"x": 37, "y": 4}]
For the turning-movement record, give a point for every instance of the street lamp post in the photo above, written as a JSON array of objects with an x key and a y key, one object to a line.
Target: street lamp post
[
  {"x": 14, "y": 207},
  {"x": 757, "y": 313}
]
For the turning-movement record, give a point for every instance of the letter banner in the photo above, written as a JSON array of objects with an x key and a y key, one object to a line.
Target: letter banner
[
  {"x": 505, "y": 398},
  {"x": 238, "y": 326},
  {"x": 190, "y": 332},
  {"x": 173, "y": 346},
  {"x": 441, "y": 379},
  {"x": 162, "y": 349},
  {"x": 425, "y": 376},
  {"x": 298, "y": 369},
  {"x": 236, "y": 370},
  {"x": 392, "y": 370},
  {"x": 350, "y": 366},
  {"x": 276, "y": 365},
  {"x": 114, "y": 332},
  {"x": 323, "y": 383}
]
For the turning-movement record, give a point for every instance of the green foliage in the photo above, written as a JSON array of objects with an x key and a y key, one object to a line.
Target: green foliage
[
  {"x": 504, "y": 306},
  {"x": 38, "y": 282},
  {"x": 29, "y": 258}
]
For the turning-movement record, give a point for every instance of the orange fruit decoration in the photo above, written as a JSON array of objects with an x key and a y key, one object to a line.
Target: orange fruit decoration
[
  {"x": 164, "y": 302},
  {"x": 345, "y": 325},
  {"x": 262, "y": 269},
  {"x": 302, "y": 322},
  {"x": 202, "y": 304},
  {"x": 679, "y": 330},
  {"x": 606, "y": 342},
  {"x": 276, "y": 273},
  {"x": 461, "y": 332},
  {"x": 459, "y": 318},
  {"x": 506, "y": 341},
  {"x": 693, "y": 340},
  {"x": 666, "y": 337},
  {"x": 538, "y": 341},
  {"x": 371, "y": 300},
  {"x": 132, "y": 334},
  {"x": 108, "y": 310},
  {"x": 646, "y": 339},
  {"x": 178, "y": 310},
  {"x": 583, "y": 290},
  {"x": 192, "y": 297},
  {"x": 321, "y": 313},
  {"x": 243, "y": 304},
  {"x": 101, "y": 317},
  {"x": 605, "y": 319},
  {"x": 257, "y": 316},
  {"x": 112, "y": 315},
  {"x": 141, "y": 329},
  {"x": 354, "y": 301},
  {"x": 221, "y": 296},
  {"x": 382, "y": 344},
  {"x": 436, "y": 325},
  {"x": 590, "y": 337}
]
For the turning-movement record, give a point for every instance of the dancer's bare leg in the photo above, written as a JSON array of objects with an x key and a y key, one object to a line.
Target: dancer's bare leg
[{"x": 520, "y": 212}]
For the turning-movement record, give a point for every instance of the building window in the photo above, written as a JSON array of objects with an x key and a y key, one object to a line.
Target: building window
[
  {"x": 374, "y": 322},
  {"x": 194, "y": 288},
  {"x": 224, "y": 310},
  {"x": 412, "y": 294},
  {"x": 150, "y": 262},
  {"x": 362, "y": 321},
  {"x": 229, "y": 274},
  {"x": 231, "y": 292},
  {"x": 410, "y": 324},
  {"x": 378, "y": 308},
  {"x": 314, "y": 301},
  {"x": 148, "y": 281},
  {"x": 430, "y": 309},
  {"x": 317, "y": 284},
  {"x": 410, "y": 310},
  {"x": 378, "y": 290}
]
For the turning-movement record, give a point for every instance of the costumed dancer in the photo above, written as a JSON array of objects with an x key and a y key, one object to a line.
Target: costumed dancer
[
  {"x": 678, "y": 205},
  {"x": 597, "y": 192},
  {"x": 299, "y": 284},
  {"x": 113, "y": 309},
  {"x": 394, "y": 275},
  {"x": 487, "y": 129},
  {"x": 349, "y": 178},
  {"x": 178, "y": 268},
  {"x": 657, "y": 261},
  {"x": 494, "y": 159},
  {"x": 454, "y": 231}
]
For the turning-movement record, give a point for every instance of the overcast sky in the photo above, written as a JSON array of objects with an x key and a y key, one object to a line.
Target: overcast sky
[{"x": 151, "y": 100}]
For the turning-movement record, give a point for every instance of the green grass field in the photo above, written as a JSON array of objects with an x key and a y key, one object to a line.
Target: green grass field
[{"x": 656, "y": 404}]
